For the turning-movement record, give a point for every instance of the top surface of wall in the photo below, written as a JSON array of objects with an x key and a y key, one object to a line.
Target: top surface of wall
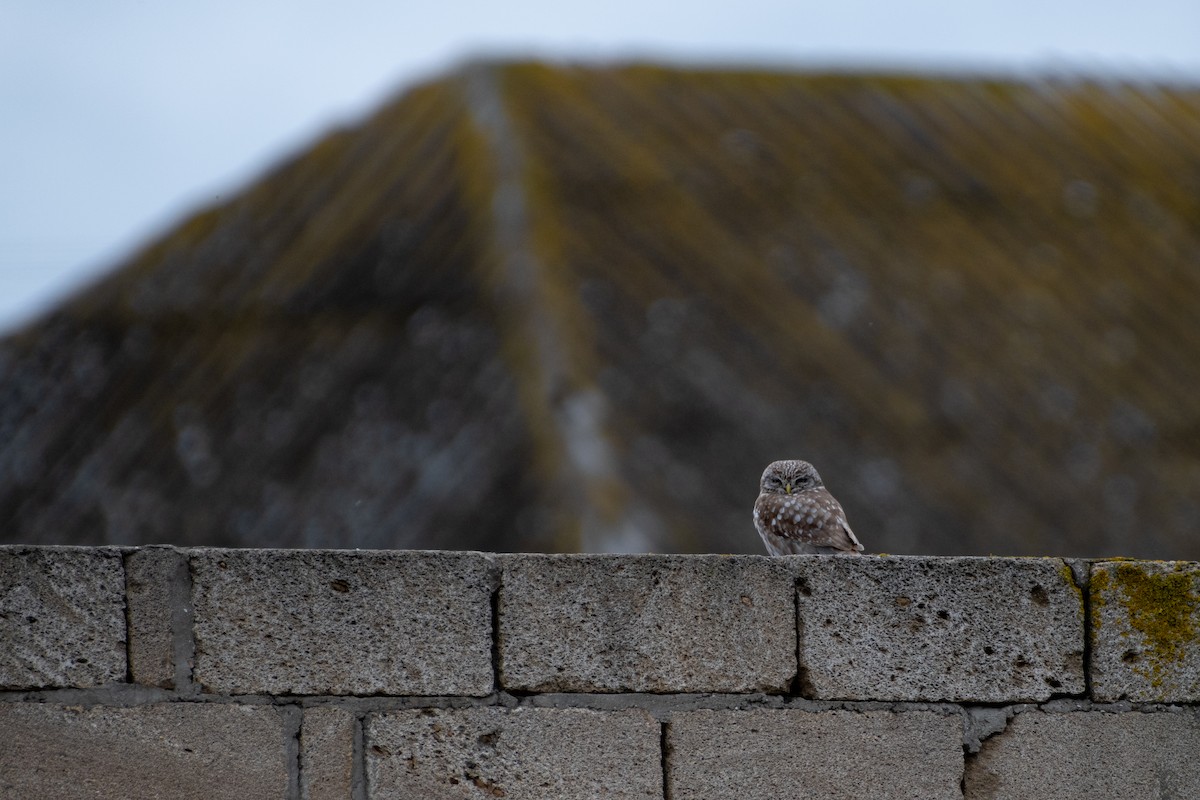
[{"x": 450, "y": 623}]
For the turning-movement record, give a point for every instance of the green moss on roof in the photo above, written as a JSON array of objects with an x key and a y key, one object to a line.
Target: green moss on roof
[{"x": 971, "y": 301}]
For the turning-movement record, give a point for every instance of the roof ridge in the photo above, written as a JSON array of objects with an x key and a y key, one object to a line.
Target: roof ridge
[{"x": 567, "y": 415}]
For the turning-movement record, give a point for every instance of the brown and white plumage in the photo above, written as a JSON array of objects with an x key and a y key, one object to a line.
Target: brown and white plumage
[{"x": 795, "y": 513}]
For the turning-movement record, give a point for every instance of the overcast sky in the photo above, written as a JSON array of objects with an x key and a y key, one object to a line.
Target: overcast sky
[{"x": 117, "y": 117}]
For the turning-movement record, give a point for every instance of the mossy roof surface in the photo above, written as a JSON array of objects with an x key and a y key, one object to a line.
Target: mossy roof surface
[{"x": 553, "y": 307}]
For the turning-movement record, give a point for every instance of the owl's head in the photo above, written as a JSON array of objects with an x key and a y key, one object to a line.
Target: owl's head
[{"x": 789, "y": 477}]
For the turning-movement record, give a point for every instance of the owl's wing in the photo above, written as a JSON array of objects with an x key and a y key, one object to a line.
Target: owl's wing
[
  {"x": 835, "y": 531},
  {"x": 813, "y": 517},
  {"x": 851, "y": 539}
]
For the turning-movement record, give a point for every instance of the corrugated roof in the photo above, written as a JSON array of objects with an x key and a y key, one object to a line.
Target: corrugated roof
[{"x": 535, "y": 307}]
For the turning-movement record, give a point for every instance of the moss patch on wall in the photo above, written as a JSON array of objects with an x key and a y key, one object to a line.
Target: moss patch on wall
[{"x": 1162, "y": 607}]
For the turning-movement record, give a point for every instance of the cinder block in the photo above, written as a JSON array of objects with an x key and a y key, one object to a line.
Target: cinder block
[
  {"x": 987, "y": 630},
  {"x": 342, "y": 622},
  {"x": 326, "y": 754},
  {"x": 1089, "y": 754},
  {"x": 774, "y": 753},
  {"x": 62, "y": 617},
  {"x": 155, "y": 588},
  {"x": 177, "y": 750},
  {"x": 516, "y": 753},
  {"x": 1146, "y": 631},
  {"x": 605, "y": 623}
]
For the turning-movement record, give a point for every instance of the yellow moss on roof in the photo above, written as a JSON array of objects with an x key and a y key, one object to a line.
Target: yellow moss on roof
[{"x": 971, "y": 301}]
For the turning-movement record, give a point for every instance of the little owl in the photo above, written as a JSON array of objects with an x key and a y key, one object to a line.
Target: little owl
[{"x": 795, "y": 513}]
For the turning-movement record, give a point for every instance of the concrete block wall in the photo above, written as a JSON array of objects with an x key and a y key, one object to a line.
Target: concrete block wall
[{"x": 164, "y": 672}]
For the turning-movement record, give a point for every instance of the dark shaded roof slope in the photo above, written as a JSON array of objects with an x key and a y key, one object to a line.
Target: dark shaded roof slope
[{"x": 532, "y": 307}]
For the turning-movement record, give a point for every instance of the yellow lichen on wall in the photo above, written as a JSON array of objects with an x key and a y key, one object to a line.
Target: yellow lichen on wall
[
  {"x": 1068, "y": 576},
  {"x": 1161, "y": 607}
]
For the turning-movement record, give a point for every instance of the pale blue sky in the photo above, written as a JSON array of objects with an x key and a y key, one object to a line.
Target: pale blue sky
[{"x": 117, "y": 117}]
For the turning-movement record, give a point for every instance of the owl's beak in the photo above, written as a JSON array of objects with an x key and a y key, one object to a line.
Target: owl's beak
[{"x": 787, "y": 487}]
